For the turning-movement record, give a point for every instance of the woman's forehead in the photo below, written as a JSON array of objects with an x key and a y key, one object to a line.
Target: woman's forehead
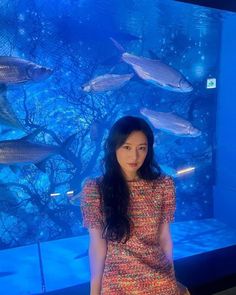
[{"x": 136, "y": 137}]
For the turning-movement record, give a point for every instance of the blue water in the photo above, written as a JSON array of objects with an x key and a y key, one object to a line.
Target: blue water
[{"x": 73, "y": 39}]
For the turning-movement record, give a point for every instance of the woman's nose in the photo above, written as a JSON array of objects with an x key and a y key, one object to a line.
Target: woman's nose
[{"x": 134, "y": 155}]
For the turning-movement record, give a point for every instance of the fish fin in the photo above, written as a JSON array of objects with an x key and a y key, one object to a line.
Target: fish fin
[
  {"x": 169, "y": 86},
  {"x": 118, "y": 45},
  {"x": 41, "y": 166}
]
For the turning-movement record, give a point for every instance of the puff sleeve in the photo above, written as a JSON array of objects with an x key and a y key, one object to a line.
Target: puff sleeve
[
  {"x": 169, "y": 200},
  {"x": 90, "y": 205}
]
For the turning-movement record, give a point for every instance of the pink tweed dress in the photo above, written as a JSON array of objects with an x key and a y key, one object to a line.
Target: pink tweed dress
[{"x": 138, "y": 267}]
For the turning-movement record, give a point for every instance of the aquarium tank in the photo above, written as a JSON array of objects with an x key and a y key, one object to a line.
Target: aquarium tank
[{"x": 68, "y": 71}]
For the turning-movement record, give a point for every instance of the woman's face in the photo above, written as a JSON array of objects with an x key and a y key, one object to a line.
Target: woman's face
[{"x": 132, "y": 153}]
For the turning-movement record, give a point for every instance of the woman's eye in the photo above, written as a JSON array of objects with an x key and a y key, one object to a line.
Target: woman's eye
[
  {"x": 126, "y": 147},
  {"x": 142, "y": 148}
]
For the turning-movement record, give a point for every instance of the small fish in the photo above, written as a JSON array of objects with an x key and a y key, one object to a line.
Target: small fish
[
  {"x": 7, "y": 115},
  {"x": 155, "y": 71},
  {"x": 15, "y": 70},
  {"x": 107, "y": 82},
  {"x": 170, "y": 123}
]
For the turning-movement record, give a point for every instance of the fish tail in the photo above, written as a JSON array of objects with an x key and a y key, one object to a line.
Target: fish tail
[{"x": 117, "y": 45}]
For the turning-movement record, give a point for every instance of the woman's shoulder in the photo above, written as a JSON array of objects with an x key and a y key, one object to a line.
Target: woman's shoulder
[
  {"x": 90, "y": 191},
  {"x": 91, "y": 182},
  {"x": 91, "y": 185}
]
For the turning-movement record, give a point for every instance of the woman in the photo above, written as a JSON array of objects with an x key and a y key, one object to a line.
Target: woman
[{"x": 127, "y": 212}]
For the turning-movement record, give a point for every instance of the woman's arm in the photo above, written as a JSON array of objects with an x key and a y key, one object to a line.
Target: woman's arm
[
  {"x": 166, "y": 241},
  {"x": 97, "y": 256}
]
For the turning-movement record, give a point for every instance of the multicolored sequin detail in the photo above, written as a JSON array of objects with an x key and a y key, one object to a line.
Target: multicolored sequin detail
[{"x": 140, "y": 266}]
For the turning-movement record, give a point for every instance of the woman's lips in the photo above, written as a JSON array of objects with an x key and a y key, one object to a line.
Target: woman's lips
[{"x": 132, "y": 164}]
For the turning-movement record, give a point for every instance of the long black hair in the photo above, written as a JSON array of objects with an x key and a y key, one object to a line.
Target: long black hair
[{"x": 113, "y": 188}]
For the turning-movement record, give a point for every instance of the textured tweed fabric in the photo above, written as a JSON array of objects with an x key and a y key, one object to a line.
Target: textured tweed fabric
[{"x": 138, "y": 267}]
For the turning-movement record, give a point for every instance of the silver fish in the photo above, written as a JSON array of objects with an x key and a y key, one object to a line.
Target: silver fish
[
  {"x": 170, "y": 123},
  {"x": 106, "y": 82},
  {"x": 155, "y": 71},
  {"x": 22, "y": 151},
  {"x": 15, "y": 70},
  {"x": 7, "y": 115}
]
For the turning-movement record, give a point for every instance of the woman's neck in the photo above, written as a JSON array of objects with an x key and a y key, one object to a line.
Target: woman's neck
[{"x": 131, "y": 178}]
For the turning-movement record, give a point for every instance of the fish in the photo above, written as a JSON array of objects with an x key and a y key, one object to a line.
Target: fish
[
  {"x": 14, "y": 70},
  {"x": 107, "y": 82},
  {"x": 155, "y": 71},
  {"x": 20, "y": 151},
  {"x": 170, "y": 123},
  {"x": 7, "y": 115},
  {"x": 23, "y": 151}
]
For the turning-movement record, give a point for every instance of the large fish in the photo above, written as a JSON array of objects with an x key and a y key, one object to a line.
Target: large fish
[
  {"x": 15, "y": 70},
  {"x": 107, "y": 82},
  {"x": 155, "y": 71},
  {"x": 7, "y": 115},
  {"x": 170, "y": 123},
  {"x": 23, "y": 151}
]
